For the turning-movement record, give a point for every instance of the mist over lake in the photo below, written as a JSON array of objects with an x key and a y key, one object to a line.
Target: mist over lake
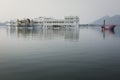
[{"x": 59, "y": 39}]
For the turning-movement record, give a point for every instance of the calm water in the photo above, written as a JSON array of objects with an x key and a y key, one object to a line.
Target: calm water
[{"x": 35, "y": 54}]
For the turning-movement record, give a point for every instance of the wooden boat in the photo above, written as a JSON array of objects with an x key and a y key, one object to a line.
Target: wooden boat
[{"x": 109, "y": 27}]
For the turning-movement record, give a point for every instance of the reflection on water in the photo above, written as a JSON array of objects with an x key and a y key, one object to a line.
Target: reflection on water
[
  {"x": 110, "y": 32},
  {"x": 36, "y": 32},
  {"x": 48, "y": 34}
]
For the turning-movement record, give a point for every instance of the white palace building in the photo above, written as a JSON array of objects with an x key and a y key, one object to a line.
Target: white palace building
[{"x": 45, "y": 23}]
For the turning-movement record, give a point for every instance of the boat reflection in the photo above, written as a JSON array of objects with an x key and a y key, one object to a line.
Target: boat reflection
[
  {"x": 46, "y": 34},
  {"x": 107, "y": 32}
]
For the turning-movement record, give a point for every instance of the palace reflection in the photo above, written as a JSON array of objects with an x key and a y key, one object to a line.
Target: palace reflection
[{"x": 38, "y": 33}]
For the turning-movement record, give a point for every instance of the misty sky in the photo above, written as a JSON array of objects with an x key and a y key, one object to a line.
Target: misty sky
[{"x": 87, "y": 10}]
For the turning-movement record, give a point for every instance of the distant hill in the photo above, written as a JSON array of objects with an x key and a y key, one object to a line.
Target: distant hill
[{"x": 109, "y": 20}]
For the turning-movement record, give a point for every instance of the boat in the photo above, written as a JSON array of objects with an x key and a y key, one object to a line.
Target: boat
[{"x": 108, "y": 27}]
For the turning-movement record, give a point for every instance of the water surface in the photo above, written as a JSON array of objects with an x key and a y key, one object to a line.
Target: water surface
[{"x": 36, "y": 54}]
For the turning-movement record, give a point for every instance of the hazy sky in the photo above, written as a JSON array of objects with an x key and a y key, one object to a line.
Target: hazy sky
[{"x": 87, "y": 10}]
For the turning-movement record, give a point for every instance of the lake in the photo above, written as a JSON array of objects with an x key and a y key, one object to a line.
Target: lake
[{"x": 36, "y": 54}]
